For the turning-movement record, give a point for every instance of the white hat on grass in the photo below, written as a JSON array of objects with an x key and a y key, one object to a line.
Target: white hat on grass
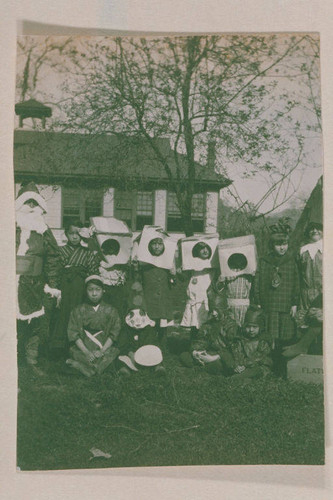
[{"x": 148, "y": 355}]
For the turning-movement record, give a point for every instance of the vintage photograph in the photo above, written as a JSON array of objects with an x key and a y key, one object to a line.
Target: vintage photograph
[{"x": 169, "y": 224}]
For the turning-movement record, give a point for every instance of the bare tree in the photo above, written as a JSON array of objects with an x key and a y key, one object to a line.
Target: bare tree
[
  {"x": 36, "y": 54},
  {"x": 198, "y": 91}
]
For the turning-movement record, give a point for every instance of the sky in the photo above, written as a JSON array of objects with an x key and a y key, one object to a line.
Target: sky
[{"x": 48, "y": 90}]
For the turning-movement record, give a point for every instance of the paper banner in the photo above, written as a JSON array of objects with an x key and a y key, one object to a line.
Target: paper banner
[
  {"x": 166, "y": 259},
  {"x": 107, "y": 243},
  {"x": 190, "y": 259},
  {"x": 107, "y": 225},
  {"x": 237, "y": 253}
]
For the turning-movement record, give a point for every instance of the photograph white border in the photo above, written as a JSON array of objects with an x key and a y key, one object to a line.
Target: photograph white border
[{"x": 153, "y": 17}]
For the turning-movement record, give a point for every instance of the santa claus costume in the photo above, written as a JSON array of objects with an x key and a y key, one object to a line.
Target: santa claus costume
[{"x": 37, "y": 269}]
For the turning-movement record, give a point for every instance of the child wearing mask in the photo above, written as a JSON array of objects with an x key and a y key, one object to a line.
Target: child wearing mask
[
  {"x": 114, "y": 276},
  {"x": 37, "y": 272},
  {"x": 197, "y": 307},
  {"x": 156, "y": 283},
  {"x": 237, "y": 289}
]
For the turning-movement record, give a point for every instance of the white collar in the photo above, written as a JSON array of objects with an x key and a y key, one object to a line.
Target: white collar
[
  {"x": 95, "y": 308},
  {"x": 313, "y": 248}
]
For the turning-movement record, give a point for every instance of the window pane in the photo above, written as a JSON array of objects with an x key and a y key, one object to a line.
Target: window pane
[
  {"x": 80, "y": 203},
  {"x": 198, "y": 225},
  {"x": 70, "y": 204},
  {"x": 198, "y": 213},
  {"x": 144, "y": 203},
  {"x": 175, "y": 224},
  {"x": 172, "y": 204},
  {"x": 93, "y": 207},
  {"x": 123, "y": 204},
  {"x": 144, "y": 211},
  {"x": 198, "y": 208}
]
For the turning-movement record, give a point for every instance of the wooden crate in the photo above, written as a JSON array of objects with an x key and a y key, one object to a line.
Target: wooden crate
[{"x": 306, "y": 368}]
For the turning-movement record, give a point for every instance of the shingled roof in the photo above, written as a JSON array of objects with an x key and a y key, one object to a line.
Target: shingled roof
[{"x": 53, "y": 156}]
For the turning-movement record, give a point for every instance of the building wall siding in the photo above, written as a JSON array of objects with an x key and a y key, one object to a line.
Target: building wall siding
[
  {"x": 212, "y": 199},
  {"x": 108, "y": 203},
  {"x": 160, "y": 208}
]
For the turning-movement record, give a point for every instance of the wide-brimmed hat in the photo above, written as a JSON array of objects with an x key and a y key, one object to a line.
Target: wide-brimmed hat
[{"x": 148, "y": 355}]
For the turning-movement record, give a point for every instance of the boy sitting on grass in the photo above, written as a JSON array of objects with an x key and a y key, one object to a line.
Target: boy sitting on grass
[{"x": 93, "y": 329}]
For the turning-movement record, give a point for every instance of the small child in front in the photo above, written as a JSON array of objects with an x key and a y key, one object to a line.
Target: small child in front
[
  {"x": 249, "y": 356},
  {"x": 93, "y": 330}
]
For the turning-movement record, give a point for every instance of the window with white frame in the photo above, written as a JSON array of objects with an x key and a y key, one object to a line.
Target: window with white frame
[
  {"x": 174, "y": 222},
  {"x": 81, "y": 203},
  {"x": 136, "y": 208}
]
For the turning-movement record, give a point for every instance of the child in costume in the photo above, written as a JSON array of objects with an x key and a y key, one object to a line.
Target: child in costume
[
  {"x": 157, "y": 287},
  {"x": 310, "y": 315},
  {"x": 78, "y": 262},
  {"x": 213, "y": 336},
  {"x": 93, "y": 331},
  {"x": 37, "y": 271},
  {"x": 197, "y": 308},
  {"x": 249, "y": 356},
  {"x": 311, "y": 265},
  {"x": 276, "y": 290},
  {"x": 139, "y": 336},
  {"x": 115, "y": 277},
  {"x": 237, "y": 289}
]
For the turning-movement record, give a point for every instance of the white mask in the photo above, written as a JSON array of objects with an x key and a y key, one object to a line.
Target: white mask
[{"x": 138, "y": 319}]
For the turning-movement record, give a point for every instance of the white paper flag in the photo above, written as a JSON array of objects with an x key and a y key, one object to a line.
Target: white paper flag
[
  {"x": 199, "y": 252},
  {"x": 156, "y": 247},
  {"x": 237, "y": 256}
]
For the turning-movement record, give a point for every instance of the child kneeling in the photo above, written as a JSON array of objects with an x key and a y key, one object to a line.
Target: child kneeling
[{"x": 93, "y": 330}]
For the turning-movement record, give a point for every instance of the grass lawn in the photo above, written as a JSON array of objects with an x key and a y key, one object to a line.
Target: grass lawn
[{"x": 186, "y": 417}]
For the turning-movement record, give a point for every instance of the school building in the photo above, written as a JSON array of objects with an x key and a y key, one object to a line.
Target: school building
[{"x": 84, "y": 175}]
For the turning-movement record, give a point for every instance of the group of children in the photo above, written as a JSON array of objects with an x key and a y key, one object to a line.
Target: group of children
[{"x": 127, "y": 315}]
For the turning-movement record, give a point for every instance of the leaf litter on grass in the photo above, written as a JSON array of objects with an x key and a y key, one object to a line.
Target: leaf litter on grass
[{"x": 187, "y": 418}]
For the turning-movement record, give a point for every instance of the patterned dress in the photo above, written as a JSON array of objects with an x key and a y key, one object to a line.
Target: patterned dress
[
  {"x": 237, "y": 291},
  {"x": 77, "y": 264},
  {"x": 276, "y": 290},
  {"x": 94, "y": 325}
]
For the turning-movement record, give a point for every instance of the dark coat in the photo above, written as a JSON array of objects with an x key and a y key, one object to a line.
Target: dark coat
[
  {"x": 287, "y": 293},
  {"x": 45, "y": 264},
  {"x": 157, "y": 292}
]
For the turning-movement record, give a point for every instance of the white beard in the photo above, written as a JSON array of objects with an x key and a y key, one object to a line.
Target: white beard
[{"x": 29, "y": 219}]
